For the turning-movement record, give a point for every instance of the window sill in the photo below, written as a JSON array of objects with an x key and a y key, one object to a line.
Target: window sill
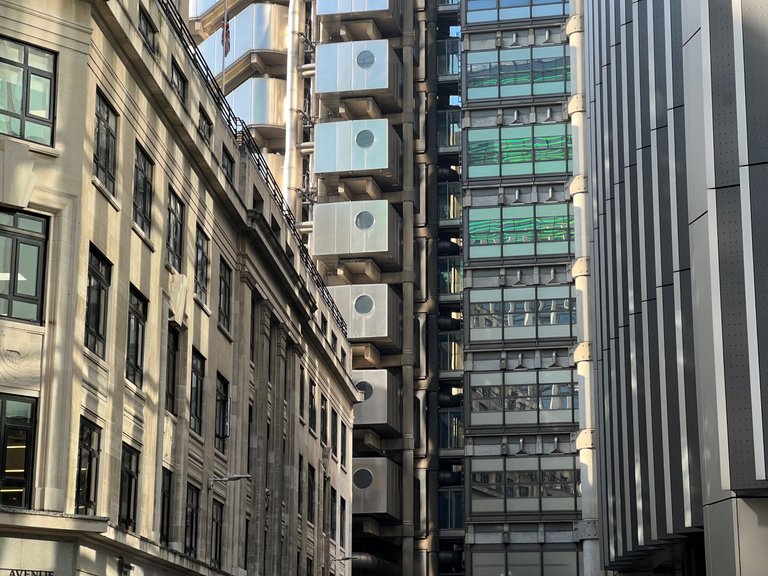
[
  {"x": 96, "y": 359},
  {"x": 226, "y": 333},
  {"x": 140, "y": 233},
  {"x": 138, "y": 392},
  {"x": 302, "y": 421},
  {"x": 106, "y": 193},
  {"x": 202, "y": 305},
  {"x": 35, "y": 147},
  {"x": 172, "y": 269}
]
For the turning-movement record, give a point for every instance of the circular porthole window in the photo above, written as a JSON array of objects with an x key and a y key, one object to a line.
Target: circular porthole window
[
  {"x": 365, "y": 387},
  {"x": 362, "y": 478},
  {"x": 364, "y": 304},
  {"x": 365, "y": 59},
  {"x": 364, "y": 138},
  {"x": 364, "y": 220}
]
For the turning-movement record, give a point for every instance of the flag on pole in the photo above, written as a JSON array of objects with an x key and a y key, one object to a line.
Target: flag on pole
[{"x": 225, "y": 43}]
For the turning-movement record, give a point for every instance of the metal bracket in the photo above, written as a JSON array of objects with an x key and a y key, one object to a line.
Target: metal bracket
[
  {"x": 585, "y": 530},
  {"x": 577, "y": 185},
  {"x": 584, "y": 439},
  {"x": 577, "y": 103},
  {"x": 582, "y": 352},
  {"x": 575, "y": 24},
  {"x": 580, "y": 267}
]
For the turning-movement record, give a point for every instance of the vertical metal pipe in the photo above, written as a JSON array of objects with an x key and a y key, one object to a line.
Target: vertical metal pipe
[{"x": 291, "y": 163}]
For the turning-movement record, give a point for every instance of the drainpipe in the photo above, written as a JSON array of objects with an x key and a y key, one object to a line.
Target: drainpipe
[{"x": 291, "y": 163}]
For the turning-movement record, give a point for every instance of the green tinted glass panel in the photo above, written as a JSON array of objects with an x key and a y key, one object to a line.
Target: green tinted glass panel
[
  {"x": 39, "y": 97},
  {"x": 40, "y": 60},
  {"x": 11, "y": 87},
  {"x": 29, "y": 256},
  {"x": 11, "y": 50},
  {"x": 10, "y": 125}
]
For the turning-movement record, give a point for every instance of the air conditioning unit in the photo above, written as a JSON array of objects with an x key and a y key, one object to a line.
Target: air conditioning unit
[
  {"x": 358, "y": 148},
  {"x": 381, "y": 408},
  {"x": 373, "y": 313},
  {"x": 370, "y": 228},
  {"x": 377, "y": 488},
  {"x": 362, "y": 68}
]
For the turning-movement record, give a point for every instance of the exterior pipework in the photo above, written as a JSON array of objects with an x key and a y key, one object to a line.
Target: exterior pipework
[
  {"x": 579, "y": 188},
  {"x": 291, "y": 165}
]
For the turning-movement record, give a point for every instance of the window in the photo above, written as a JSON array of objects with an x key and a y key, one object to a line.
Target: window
[
  {"x": 129, "y": 487},
  {"x": 142, "y": 190},
  {"x": 301, "y": 485},
  {"x": 204, "y": 125},
  {"x": 99, "y": 280},
  {"x": 228, "y": 164},
  {"x": 147, "y": 30},
  {"x": 310, "y": 567},
  {"x": 196, "y": 392},
  {"x": 222, "y": 413},
  {"x": 343, "y": 444},
  {"x": 217, "y": 532},
  {"x": 134, "y": 356},
  {"x": 201, "y": 266},
  {"x": 250, "y": 436},
  {"x": 254, "y": 328},
  {"x": 342, "y": 522},
  {"x": 334, "y": 432},
  {"x": 171, "y": 369},
  {"x": 105, "y": 143},
  {"x": 27, "y": 91},
  {"x": 493, "y": 10},
  {"x": 334, "y": 524},
  {"x": 88, "y": 452},
  {"x": 522, "y": 150},
  {"x": 22, "y": 265},
  {"x": 534, "y": 562},
  {"x": 450, "y": 506},
  {"x": 521, "y": 313},
  {"x": 173, "y": 240},
  {"x": 312, "y": 405},
  {"x": 323, "y": 419},
  {"x": 165, "y": 507},
  {"x": 523, "y": 397},
  {"x": 536, "y": 229},
  {"x": 191, "y": 520},
  {"x": 302, "y": 392},
  {"x": 451, "y": 428},
  {"x": 225, "y": 294},
  {"x": 310, "y": 494},
  {"x": 178, "y": 82},
  {"x": 524, "y": 484}
]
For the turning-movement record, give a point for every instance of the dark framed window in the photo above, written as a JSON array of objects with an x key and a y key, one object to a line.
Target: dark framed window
[
  {"x": 142, "y": 190},
  {"x": 228, "y": 164},
  {"x": 301, "y": 486},
  {"x": 343, "y": 444},
  {"x": 323, "y": 419},
  {"x": 342, "y": 522},
  {"x": 250, "y": 438},
  {"x": 201, "y": 265},
  {"x": 196, "y": 392},
  {"x": 27, "y": 93},
  {"x": 178, "y": 81},
  {"x": 105, "y": 143},
  {"x": 312, "y": 405},
  {"x": 175, "y": 228},
  {"x": 88, "y": 454},
  {"x": 222, "y": 413},
  {"x": 17, "y": 440},
  {"x": 97, "y": 299},
  {"x": 326, "y": 508},
  {"x": 494, "y": 10},
  {"x": 450, "y": 506},
  {"x": 225, "y": 294},
  {"x": 254, "y": 328},
  {"x": 217, "y": 532},
  {"x": 134, "y": 355},
  {"x": 334, "y": 432},
  {"x": 22, "y": 265},
  {"x": 310, "y": 567},
  {"x": 310, "y": 493},
  {"x": 191, "y": 520},
  {"x": 451, "y": 428},
  {"x": 166, "y": 491},
  {"x": 204, "y": 125},
  {"x": 129, "y": 487},
  {"x": 333, "y": 512},
  {"x": 171, "y": 369},
  {"x": 302, "y": 392},
  {"x": 147, "y": 30}
]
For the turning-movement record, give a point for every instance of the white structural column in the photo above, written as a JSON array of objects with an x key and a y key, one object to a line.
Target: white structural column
[{"x": 587, "y": 438}]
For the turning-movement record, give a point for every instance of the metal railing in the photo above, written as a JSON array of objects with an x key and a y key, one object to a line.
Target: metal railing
[{"x": 243, "y": 136}]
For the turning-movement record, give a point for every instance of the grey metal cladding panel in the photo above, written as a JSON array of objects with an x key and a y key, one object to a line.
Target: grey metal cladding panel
[
  {"x": 635, "y": 366},
  {"x": 670, "y": 423},
  {"x": 623, "y": 269},
  {"x": 681, "y": 257},
  {"x": 691, "y": 18},
  {"x": 688, "y": 409},
  {"x": 724, "y": 165},
  {"x": 754, "y": 84},
  {"x": 695, "y": 127},
  {"x": 758, "y": 203},
  {"x": 662, "y": 210},
  {"x": 632, "y": 220},
  {"x": 619, "y": 470},
  {"x": 657, "y": 59},
  {"x": 611, "y": 271},
  {"x": 617, "y": 151},
  {"x": 645, "y": 192},
  {"x": 642, "y": 95},
  {"x": 674, "y": 53},
  {"x": 734, "y": 336},
  {"x": 627, "y": 94}
]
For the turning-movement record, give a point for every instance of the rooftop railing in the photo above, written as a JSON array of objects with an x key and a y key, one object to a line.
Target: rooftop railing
[{"x": 243, "y": 136}]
